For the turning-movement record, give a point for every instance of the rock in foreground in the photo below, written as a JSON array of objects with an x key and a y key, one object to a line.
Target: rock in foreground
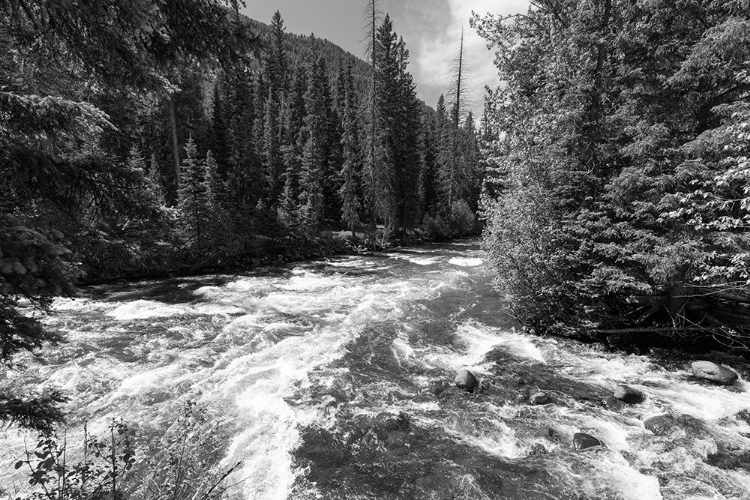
[
  {"x": 629, "y": 395},
  {"x": 660, "y": 424},
  {"x": 712, "y": 372},
  {"x": 466, "y": 380},
  {"x": 582, "y": 441}
]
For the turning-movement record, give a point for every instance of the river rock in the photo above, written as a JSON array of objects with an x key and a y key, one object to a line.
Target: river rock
[
  {"x": 612, "y": 403},
  {"x": 540, "y": 398},
  {"x": 629, "y": 395},
  {"x": 712, "y": 372},
  {"x": 437, "y": 386},
  {"x": 660, "y": 424},
  {"x": 582, "y": 441},
  {"x": 466, "y": 380}
]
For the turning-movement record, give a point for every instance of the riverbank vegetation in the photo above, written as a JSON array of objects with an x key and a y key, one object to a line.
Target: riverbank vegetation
[{"x": 618, "y": 190}]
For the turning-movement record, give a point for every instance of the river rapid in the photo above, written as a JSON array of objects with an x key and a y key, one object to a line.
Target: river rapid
[{"x": 332, "y": 379}]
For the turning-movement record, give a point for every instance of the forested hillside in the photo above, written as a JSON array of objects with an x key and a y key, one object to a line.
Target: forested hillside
[{"x": 618, "y": 191}]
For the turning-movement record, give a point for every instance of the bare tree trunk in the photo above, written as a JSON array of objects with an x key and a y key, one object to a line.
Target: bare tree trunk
[{"x": 459, "y": 90}]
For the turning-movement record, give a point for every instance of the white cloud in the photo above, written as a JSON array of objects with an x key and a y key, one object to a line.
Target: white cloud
[{"x": 437, "y": 46}]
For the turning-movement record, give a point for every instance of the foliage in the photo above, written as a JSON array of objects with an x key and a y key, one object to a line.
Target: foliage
[
  {"x": 99, "y": 473},
  {"x": 617, "y": 175},
  {"x": 67, "y": 195},
  {"x": 179, "y": 463},
  {"x": 459, "y": 222}
]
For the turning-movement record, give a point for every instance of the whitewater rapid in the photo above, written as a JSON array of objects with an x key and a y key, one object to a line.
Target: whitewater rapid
[{"x": 330, "y": 379}]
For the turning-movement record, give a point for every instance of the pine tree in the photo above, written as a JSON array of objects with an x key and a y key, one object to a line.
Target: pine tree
[
  {"x": 241, "y": 186},
  {"x": 192, "y": 205},
  {"x": 272, "y": 156},
  {"x": 219, "y": 140},
  {"x": 277, "y": 67},
  {"x": 383, "y": 171},
  {"x": 154, "y": 181},
  {"x": 314, "y": 159},
  {"x": 407, "y": 155},
  {"x": 371, "y": 143},
  {"x": 351, "y": 169},
  {"x": 217, "y": 217},
  {"x": 334, "y": 160},
  {"x": 428, "y": 191}
]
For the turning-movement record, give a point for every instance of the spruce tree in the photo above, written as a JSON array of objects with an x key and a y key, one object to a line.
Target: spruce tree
[
  {"x": 154, "y": 180},
  {"x": 272, "y": 156},
  {"x": 219, "y": 140},
  {"x": 192, "y": 202},
  {"x": 372, "y": 164},
  {"x": 384, "y": 189},
  {"x": 351, "y": 168},
  {"x": 314, "y": 159},
  {"x": 276, "y": 64},
  {"x": 407, "y": 155}
]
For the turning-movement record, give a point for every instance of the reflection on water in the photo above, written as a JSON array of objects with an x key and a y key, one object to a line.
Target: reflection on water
[{"x": 334, "y": 380}]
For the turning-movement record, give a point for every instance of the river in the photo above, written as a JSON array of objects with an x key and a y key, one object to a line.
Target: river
[{"x": 331, "y": 379}]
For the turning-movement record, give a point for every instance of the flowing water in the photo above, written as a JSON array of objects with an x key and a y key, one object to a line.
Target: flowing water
[{"x": 332, "y": 380}]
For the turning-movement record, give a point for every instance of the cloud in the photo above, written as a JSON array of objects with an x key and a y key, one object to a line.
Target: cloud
[{"x": 432, "y": 30}]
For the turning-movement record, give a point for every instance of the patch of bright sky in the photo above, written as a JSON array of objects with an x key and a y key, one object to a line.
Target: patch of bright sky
[{"x": 430, "y": 28}]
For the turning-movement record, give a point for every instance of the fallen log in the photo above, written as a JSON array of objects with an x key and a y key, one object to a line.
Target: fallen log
[{"x": 655, "y": 330}]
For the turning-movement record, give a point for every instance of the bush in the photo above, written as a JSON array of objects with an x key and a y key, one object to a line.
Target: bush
[
  {"x": 461, "y": 221},
  {"x": 532, "y": 262}
]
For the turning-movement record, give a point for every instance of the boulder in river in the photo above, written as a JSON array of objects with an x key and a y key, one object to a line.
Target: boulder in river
[
  {"x": 540, "y": 398},
  {"x": 660, "y": 424},
  {"x": 712, "y": 372},
  {"x": 629, "y": 395},
  {"x": 466, "y": 380},
  {"x": 583, "y": 441}
]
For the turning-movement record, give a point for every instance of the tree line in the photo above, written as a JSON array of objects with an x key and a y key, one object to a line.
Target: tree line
[{"x": 304, "y": 144}]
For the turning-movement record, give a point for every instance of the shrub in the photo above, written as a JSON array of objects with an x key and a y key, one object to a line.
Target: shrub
[{"x": 181, "y": 463}]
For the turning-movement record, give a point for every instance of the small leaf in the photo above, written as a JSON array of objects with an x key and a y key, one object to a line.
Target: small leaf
[{"x": 19, "y": 464}]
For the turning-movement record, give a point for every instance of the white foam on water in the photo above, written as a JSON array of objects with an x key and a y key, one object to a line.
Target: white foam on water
[
  {"x": 305, "y": 281},
  {"x": 146, "y": 309},
  {"x": 145, "y": 381},
  {"x": 479, "y": 340},
  {"x": 423, "y": 261},
  {"x": 705, "y": 402},
  {"x": 500, "y": 440},
  {"x": 77, "y": 305},
  {"x": 414, "y": 259},
  {"x": 615, "y": 475},
  {"x": 466, "y": 261},
  {"x": 402, "y": 350},
  {"x": 259, "y": 383}
]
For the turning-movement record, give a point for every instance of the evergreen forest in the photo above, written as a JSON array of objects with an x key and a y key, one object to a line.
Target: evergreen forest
[{"x": 608, "y": 178}]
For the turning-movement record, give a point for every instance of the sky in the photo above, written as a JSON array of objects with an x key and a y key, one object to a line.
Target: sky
[{"x": 430, "y": 28}]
